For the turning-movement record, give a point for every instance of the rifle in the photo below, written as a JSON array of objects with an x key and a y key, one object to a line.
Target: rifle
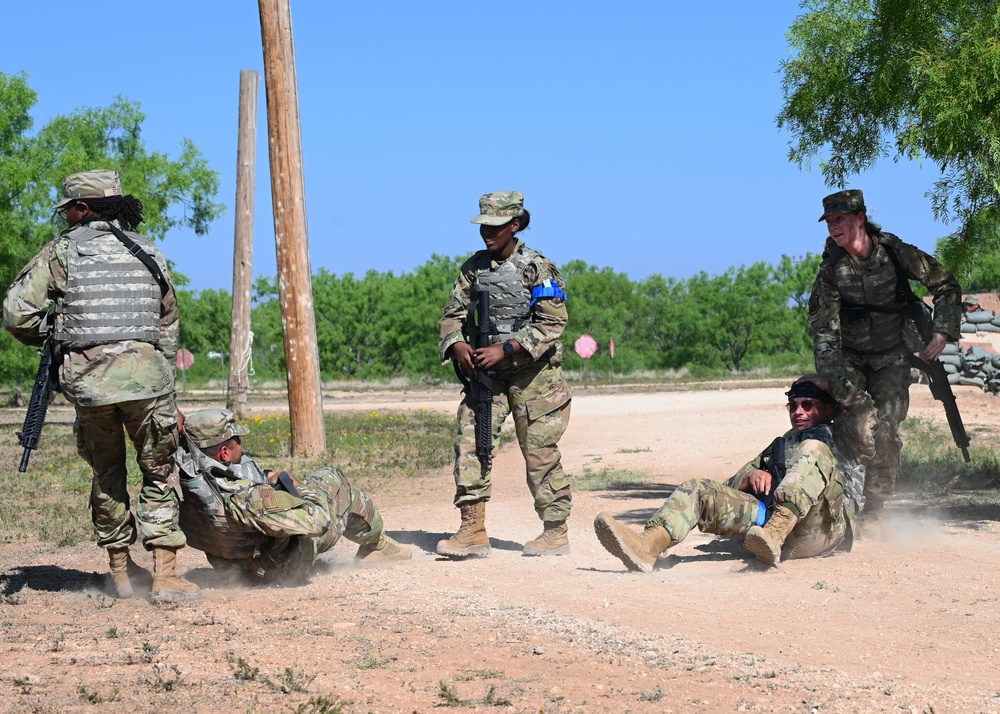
[
  {"x": 480, "y": 386},
  {"x": 775, "y": 467},
  {"x": 941, "y": 391},
  {"x": 46, "y": 382}
]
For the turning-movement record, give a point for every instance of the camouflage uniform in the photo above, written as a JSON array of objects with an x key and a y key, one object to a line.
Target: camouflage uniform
[
  {"x": 869, "y": 351},
  {"x": 117, "y": 386},
  {"x": 821, "y": 483},
  {"x": 241, "y": 521},
  {"x": 528, "y": 384}
]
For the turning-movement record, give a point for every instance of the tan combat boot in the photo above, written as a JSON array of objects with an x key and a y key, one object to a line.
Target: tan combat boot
[
  {"x": 766, "y": 542},
  {"x": 554, "y": 540},
  {"x": 638, "y": 551},
  {"x": 471, "y": 538},
  {"x": 383, "y": 550},
  {"x": 168, "y": 586},
  {"x": 123, "y": 569}
]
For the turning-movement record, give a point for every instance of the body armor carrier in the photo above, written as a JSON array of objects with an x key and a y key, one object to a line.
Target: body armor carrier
[
  {"x": 203, "y": 516},
  {"x": 852, "y": 474},
  {"x": 510, "y": 298},
  {"x": 873, "y": 285},
  {"x": 110, "y": 295}
]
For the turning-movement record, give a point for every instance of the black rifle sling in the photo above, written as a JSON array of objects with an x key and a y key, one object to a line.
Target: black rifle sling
[{"x": 136, "y": 250}]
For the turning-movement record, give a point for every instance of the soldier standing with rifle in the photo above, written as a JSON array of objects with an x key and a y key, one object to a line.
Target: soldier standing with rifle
[
  {"x": 501, "y": 327},
  {"x": 115, "y": 332},
  {"x": 866, "y": 324}
]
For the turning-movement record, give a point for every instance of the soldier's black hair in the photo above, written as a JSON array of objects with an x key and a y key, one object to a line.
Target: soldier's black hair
[
  {"x": 127, "y": 210},
  {"x": 525, "y": 219}
]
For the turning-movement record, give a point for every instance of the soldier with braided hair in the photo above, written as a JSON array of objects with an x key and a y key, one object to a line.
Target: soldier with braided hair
[{"x": 116, "y": 327}]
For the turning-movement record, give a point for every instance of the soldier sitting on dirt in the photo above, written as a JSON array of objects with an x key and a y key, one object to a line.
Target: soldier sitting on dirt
[
  {"x": 799, "y": 498},
  {"x": 266, "y": 523}
]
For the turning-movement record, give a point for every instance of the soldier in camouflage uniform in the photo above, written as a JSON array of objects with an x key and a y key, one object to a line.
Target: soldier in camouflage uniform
[
  {"x": 115, "y": 323},
  {"x": 802, "y": 505},
  {"x": 266, "y": 524},
  {"x": 860, "y": 335},
  {"x": 527, "y": 318}
]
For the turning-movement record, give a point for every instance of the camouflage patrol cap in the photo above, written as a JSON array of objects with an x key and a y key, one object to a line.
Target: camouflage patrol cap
[
  {"x": 971, "y": 299},
  {"x": 499, "y": 207},
  {"x": 208, "y": 427},
  {"x": 99, "y": 183},
  {"x": 848, "y": 201}
]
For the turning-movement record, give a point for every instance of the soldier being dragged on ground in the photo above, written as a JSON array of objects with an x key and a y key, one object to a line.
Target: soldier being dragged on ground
[
  {"x": 264, "y": 524},
  {"x": 799, "y": 498}
]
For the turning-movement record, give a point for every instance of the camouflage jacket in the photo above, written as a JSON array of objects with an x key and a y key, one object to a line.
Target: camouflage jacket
[
  {"x": 250, "y": 499},
  {"x": 850, "y": 471},
  {"x": 825, "y": 308},
  {"x": 101, "y": 374},
  {"x": 539, "y": 338}
]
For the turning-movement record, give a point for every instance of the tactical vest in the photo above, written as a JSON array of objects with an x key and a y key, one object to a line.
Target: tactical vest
[
  {"x": 868, "y": 330},
  {"x": 203, "y": 515},
  {"x": 852, "y": 474},
  {"x": 510, "y": 298},
  {"x": 110, "y": 295}
]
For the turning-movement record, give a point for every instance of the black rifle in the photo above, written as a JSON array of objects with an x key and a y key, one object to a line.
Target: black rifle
[
  {"x": 480, "y": 387},
  {"x": 775, "y": 467},
  {"x": 941, "y": 390},
  {"x": 46, "y": 382}
]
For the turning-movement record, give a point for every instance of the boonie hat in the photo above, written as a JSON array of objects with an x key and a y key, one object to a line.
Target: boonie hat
[
  {"x": 208, "y": 427},
  {"x": 499, "y": 207},
  {"x": 847, "y": 201},
  {"x": 99, "y": 183}
]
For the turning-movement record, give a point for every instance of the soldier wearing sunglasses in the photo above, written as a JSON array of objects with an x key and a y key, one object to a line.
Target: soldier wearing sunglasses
[{"x": 799, "y": 498}]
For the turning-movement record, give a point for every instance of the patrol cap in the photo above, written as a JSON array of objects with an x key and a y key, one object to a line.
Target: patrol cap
[
  {"x": 99, "y": 183},
  {"x": 208, "y": 427},
  {"x": 848, "y": 201},
  {"x": 499, "y": 207},
  {"x": 971, "y": 299}
]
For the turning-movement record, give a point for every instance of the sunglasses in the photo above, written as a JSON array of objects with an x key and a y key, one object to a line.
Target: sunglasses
[{"x": 807, "y": 405}]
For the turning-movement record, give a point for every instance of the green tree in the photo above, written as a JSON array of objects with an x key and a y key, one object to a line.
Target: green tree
[
  {"x": 32, "y": 167},
  {"x": 910, "y": 79}
]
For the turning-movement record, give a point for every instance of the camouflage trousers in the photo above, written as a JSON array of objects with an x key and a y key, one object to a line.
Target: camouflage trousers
[
  {"x": 329, "y": 507},
  {"x": 151, "y": 425},
  {"x": 539, "y": 400},
  {"x": 811, "y": 489},
  {"x": 888, "y": 381}
]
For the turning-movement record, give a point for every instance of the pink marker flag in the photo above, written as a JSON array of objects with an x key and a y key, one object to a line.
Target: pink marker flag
[{"x": 611, "y": 347}]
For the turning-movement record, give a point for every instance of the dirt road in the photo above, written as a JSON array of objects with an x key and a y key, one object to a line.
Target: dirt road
[{"x": 905, "y": 624}]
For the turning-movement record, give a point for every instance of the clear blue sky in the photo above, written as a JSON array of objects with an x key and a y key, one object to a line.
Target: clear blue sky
[{"x": 642, "y": 134}]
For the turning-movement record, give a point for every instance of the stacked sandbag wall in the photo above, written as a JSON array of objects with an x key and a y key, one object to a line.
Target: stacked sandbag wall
[{"x": 974, "y": 366}]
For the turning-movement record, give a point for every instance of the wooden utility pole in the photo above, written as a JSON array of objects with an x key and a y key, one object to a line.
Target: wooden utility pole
[
  {"x": 305, "y": 398},
  {"x": 246, "y": 171}
]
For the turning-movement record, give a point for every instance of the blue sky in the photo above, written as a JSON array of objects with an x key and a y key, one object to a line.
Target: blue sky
[{"x": 642, "y": 134}]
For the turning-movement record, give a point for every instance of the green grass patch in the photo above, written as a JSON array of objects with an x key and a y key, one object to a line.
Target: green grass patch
[
  {"x": 610, "y": 479},
  {"x": 50, "y": 501},
  {"x": 931, "y": 463}
]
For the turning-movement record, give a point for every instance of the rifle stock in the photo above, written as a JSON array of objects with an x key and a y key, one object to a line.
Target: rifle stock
[
  {"x": 46, "y": 381},
  {"x": 941, "y": 391}
]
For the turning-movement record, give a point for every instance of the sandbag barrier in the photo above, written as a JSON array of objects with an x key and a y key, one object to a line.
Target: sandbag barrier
[{"x": 974, "y": 366}]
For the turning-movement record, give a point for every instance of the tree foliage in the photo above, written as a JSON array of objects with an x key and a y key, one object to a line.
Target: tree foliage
[
  {"x": 174, "y": 192},
  {"x": 912, "y": 79}
]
